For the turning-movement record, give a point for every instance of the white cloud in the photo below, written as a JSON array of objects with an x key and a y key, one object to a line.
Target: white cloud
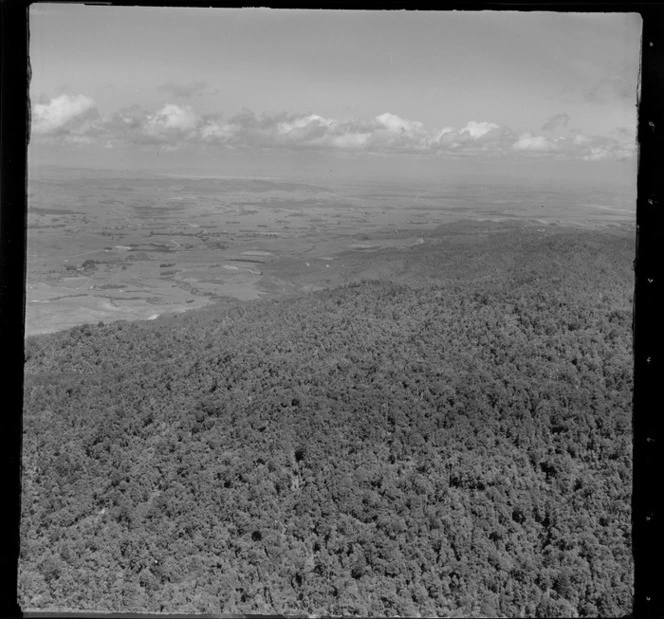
[
  {"x": 174, "y": 118},
  {"x": 74, "y": 120},
  {"x": 312, "y": 121},
  {"x": 61, "y": 114},
  {"x": 532, "y": 142},
  {"x": 389, "y": 132},
  {"x": 395, "y": 124},
  {"x": 477, "y": 129},
  {"x": 474, "y": 138}
]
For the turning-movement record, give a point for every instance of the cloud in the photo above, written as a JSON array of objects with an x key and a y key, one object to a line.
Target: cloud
[
  {"x": 386, "y": 132},
  {"x": 304, "y": 129},
  {"x": 172, "y": 118},
  {"x": 597, "y": 147},
  {"x": 607, "y": 149},
  {"x": 171, "y": 124},
  {"x": 131, "y": 117},
  {"x": 556, "y": 122},
  {"x": 474, "y": 138},
  {"x": 125, "y": 126},
  {"x": 183, "y": 90},
  {"x": 400, "y": 126},
  {"x": 476, "y": 130},
  {"x": 389, "y": 132},
  {"x": 216, "y": 131},
  {"x": 533, "y": 143},
  {"x": 597, "y": 154},
  {"x": 75, "y": 120},
  {"x": 442, "y": 133},
  {"x": 62, "y": 114}
]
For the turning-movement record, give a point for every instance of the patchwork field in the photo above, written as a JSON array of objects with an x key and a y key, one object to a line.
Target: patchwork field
[{"x": 110, "y": 246}]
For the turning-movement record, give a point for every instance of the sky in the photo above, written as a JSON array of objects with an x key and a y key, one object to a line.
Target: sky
[{"x": 336, "y": 94}]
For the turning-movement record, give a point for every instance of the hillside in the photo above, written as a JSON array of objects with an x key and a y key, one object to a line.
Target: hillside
[{"x": 452, "y": 438}]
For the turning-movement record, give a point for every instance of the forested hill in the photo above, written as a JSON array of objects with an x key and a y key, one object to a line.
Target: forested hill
[{"x": 454, "y": 442}]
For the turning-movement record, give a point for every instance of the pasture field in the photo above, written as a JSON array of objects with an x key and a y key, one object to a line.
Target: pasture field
[{"x": 107, "y": 246}]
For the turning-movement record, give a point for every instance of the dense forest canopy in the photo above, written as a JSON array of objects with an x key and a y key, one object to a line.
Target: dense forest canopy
[{"x": 453, "y": 439}]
